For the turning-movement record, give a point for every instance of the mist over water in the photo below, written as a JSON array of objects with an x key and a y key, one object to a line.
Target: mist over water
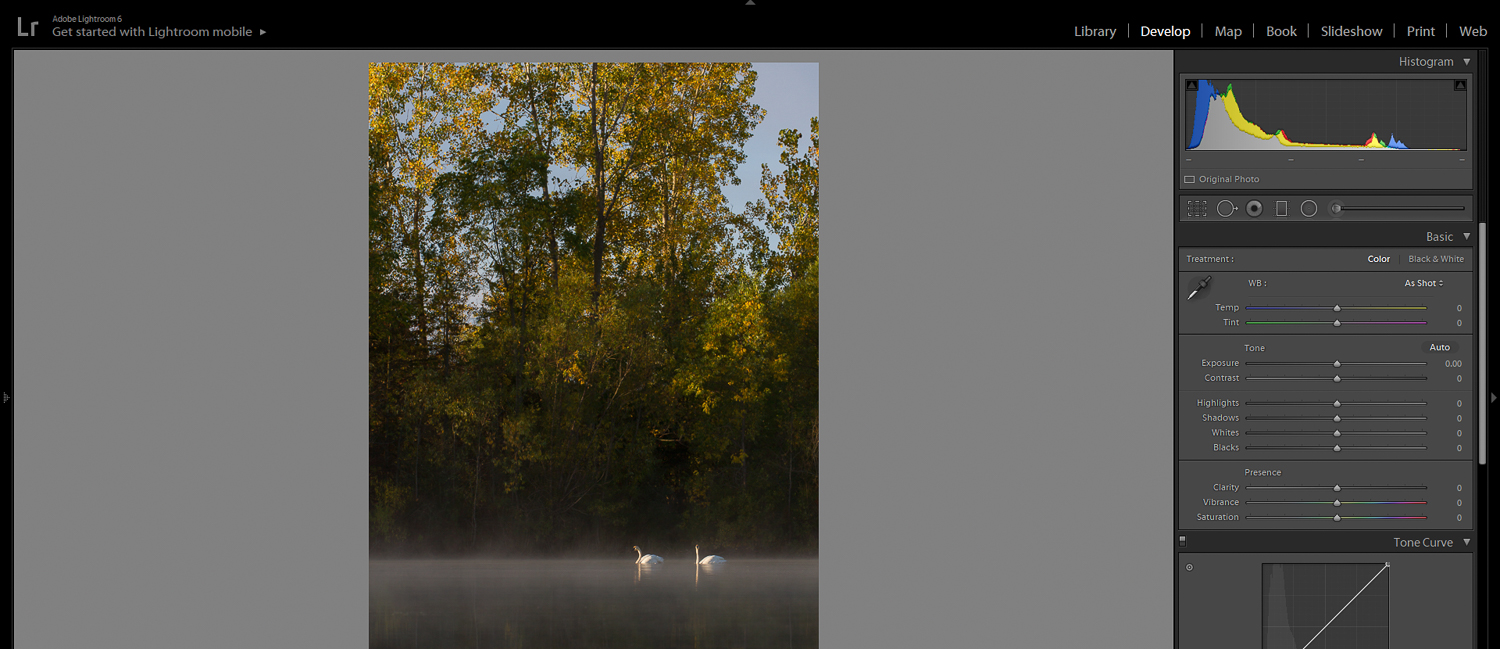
[{"x": 540, "y": 603}]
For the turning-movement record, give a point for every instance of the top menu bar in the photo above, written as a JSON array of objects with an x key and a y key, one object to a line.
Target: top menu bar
[
  {"x": 1290, "y": 33},
  {"x": 721, "y": 24}
]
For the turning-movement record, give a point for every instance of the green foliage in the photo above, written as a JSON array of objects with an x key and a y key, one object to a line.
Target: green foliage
[
  {"x": 790, "y": 208},
  {"x": 587, "y": 365}
]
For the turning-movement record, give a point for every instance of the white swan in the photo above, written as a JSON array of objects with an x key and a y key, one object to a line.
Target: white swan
[
  {"x": 645, "y": 559},
  {"x": 712, "y": 558}
]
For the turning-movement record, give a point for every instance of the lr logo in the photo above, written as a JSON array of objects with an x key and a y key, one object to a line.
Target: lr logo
[{"x": 22, "y": 32}]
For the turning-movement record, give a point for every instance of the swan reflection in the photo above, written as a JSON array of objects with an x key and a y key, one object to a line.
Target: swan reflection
[
  {"x": 700, "y": 569},
  {"x": 642, "y": 570}
]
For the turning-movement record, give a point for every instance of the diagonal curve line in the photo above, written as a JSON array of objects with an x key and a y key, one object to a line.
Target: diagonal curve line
[{"x": 1346, "y": 605}]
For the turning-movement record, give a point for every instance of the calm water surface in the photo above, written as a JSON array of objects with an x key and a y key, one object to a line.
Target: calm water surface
[{"x": 593, "y": 603}]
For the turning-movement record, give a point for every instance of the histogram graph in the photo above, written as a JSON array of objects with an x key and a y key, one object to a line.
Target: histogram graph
[{"x": 1313, "y": 114}]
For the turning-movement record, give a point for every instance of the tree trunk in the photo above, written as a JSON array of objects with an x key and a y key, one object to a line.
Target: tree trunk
[
  {"x": 551, "y": 227},
  {"x": 421, "y": 276},
  {"x": 518, "y": 361},
  {"x": 596, "y": 127},
  {"x": 474, "y": 515}
]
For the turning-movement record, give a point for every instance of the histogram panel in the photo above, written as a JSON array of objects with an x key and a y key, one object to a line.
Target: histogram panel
[{"x": 1388, "y": 114}]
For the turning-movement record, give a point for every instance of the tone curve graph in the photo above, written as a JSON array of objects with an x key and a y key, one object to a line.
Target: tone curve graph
[{"x": 1325, "y": 605}]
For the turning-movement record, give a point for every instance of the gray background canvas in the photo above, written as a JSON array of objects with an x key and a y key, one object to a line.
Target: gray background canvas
[{"x": 190, "y": 398}]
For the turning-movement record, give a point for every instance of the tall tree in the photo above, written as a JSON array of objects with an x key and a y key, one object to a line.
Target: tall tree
[
  {"x": 638, "y": 116},
  {"x": 790, "y": 207}
]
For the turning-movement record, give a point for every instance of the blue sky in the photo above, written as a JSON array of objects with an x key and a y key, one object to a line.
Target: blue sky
[{"x": 789, "y": 93}]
